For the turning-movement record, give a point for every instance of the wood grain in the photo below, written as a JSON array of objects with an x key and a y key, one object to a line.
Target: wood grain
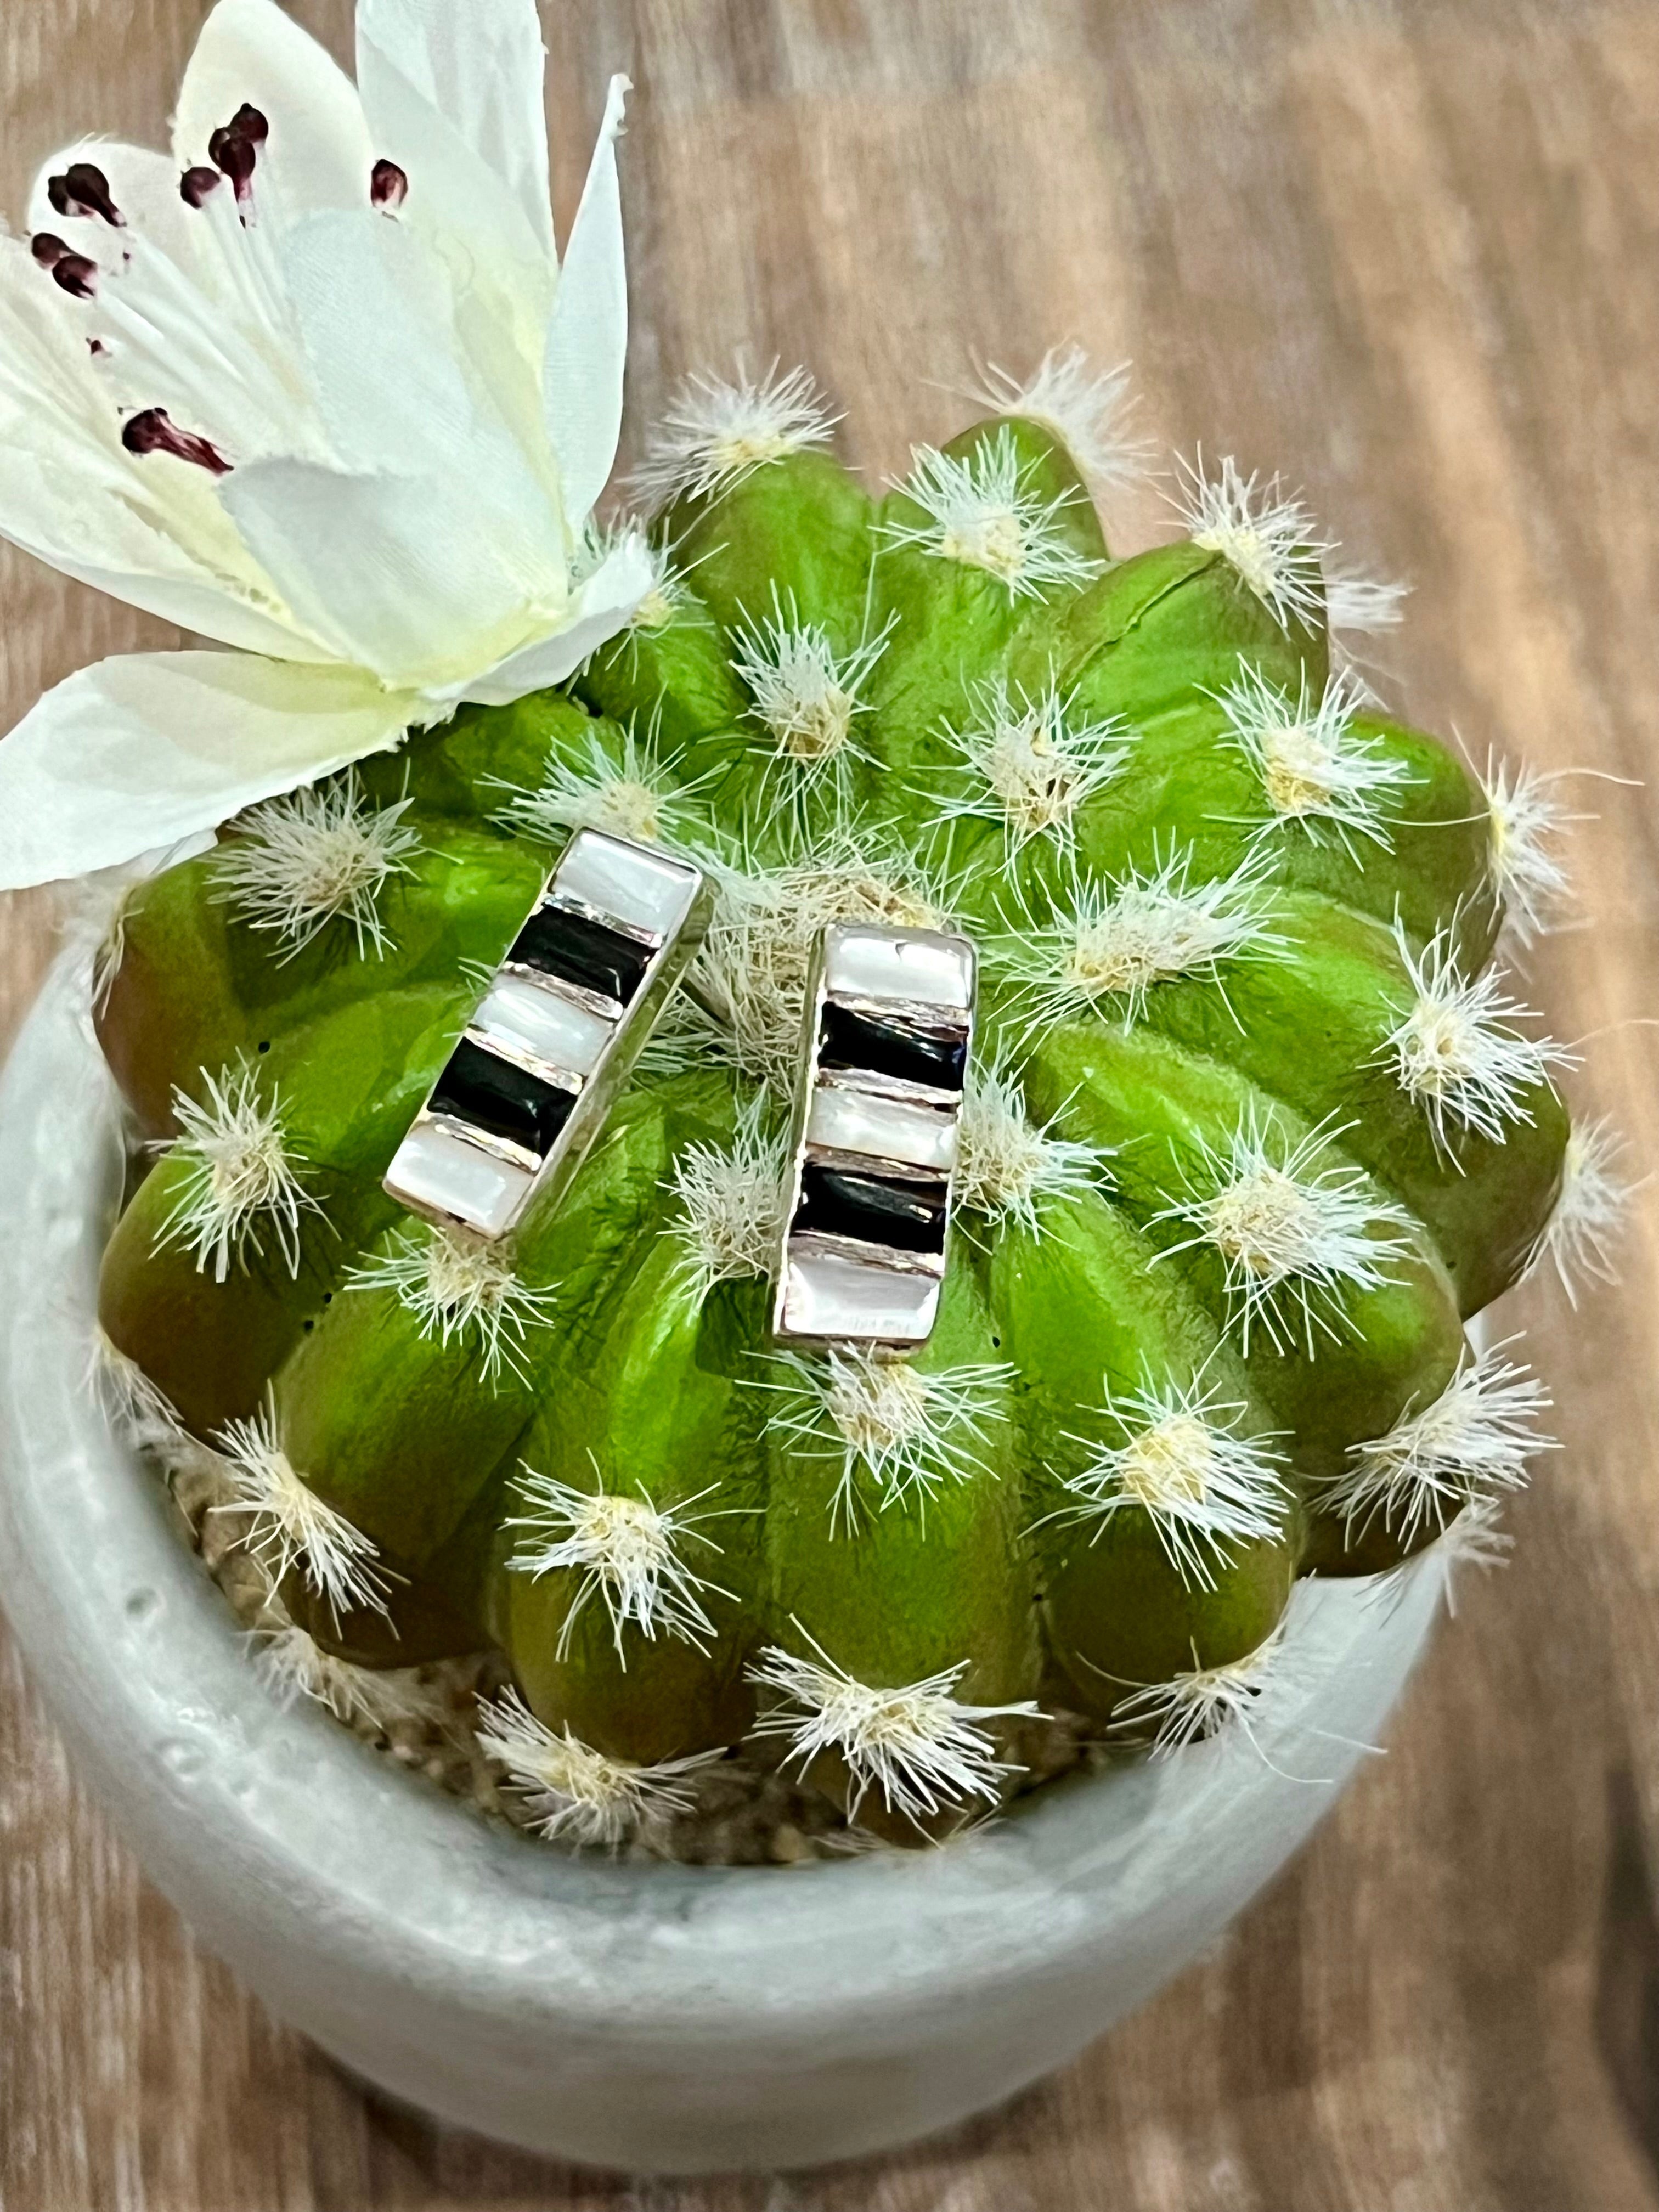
[{"x": 1406, "y": 252}]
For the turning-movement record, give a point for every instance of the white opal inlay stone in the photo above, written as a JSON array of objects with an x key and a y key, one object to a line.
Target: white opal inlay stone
[
  {"x": 828, "y": 1295},
  {"x": 886, "y": 1128},
  {"x": 439, "y": 1173},
  {"x": 646, "y": 888},
  {"x": 542, "y": 1022},
  {"x": 913, "y": 965}
]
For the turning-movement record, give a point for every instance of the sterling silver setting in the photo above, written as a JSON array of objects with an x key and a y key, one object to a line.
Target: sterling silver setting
[
  {"x": 885, "y": 1043},
  {"x": 549, "y": 1045}
]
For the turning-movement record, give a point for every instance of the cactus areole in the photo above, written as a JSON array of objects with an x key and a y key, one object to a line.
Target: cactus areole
[{"x": 1251, "y": 1129}]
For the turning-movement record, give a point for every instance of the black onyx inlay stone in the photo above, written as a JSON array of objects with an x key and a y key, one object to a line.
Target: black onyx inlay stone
[
  {"x": 908, "y": 1217},
  {"x": 850, "y": 1040},
  {"x": 558, "y": 942},
  {"x": 492, "y": 1095}
]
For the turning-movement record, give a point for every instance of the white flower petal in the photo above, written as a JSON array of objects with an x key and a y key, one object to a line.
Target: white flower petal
[
  {"x": 142, "y": 750},
  {"x": 375, "y": 314},
  {"x": 480, "y": 67},
  {"x": 455, "y": 194},
  {"x": 603, "y": 606},
  {"x": 369, "y": 301},
  {"x": 318, "y": 151},
  {"x": 151, "y": 531},
  {"x": 43, "y": 521},
  {"x": 587, "y": 331},
  {"x": 405, "y": 575}
]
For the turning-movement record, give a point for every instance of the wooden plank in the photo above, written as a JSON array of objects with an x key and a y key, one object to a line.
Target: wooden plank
[{"x": 1406, "y": 253}]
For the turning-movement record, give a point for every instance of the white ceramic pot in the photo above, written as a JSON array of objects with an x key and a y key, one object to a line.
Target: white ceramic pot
[{"x": 654, "y": 2019}]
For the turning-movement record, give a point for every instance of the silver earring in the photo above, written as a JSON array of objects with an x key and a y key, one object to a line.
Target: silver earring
[
  {"x": 551, "y": 1043},
  {"x": 889, "y": 1026}
]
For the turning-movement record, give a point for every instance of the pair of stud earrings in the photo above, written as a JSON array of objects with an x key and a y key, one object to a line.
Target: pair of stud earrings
[{"x": 885, "y": 1039}]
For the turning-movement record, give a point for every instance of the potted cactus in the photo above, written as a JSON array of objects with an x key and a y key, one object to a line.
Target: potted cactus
[
  {"x": 1249, "y": 1132},
  {"x": 1249, "y": 1129}
]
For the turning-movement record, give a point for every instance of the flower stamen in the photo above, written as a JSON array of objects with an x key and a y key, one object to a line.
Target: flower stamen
[
  {"x": 152, "y": 430},
  {"x": 84, "y": 189},
  {"x": 234, "y": 150},
  {"x": 73, "y": 273},
  {"x": 388, "y": 186}
]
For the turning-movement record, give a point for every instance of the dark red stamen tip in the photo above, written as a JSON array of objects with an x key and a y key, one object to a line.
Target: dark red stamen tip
[
  {"x": 196, "y": 184},
  {"x": 152, "y": 432},
  {"x": 47, "y": 248},
  {"x": 234, "y": 148},
  {"x": 388, "y": 187},
  {"x": 84, "y": 189},
  {"x": 235, "y": 156},
  {"x": 96, "y": 346},
  {"x": 77, "y": 275}
]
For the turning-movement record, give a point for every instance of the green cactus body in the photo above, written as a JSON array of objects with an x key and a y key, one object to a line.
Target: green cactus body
[{"x": 1251, "y": 1135}]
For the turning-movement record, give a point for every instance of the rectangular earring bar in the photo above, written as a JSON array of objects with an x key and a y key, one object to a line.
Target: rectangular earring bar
[
  {"x": 885, "y": 1042},
  {"x": 550, "y": 1042}
]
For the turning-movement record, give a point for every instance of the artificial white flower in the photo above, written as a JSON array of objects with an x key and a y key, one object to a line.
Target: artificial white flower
[{"x": 313, "y": 384}]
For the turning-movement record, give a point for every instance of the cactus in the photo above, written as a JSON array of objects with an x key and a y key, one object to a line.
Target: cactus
[{"x": 1253, "y": 1128}]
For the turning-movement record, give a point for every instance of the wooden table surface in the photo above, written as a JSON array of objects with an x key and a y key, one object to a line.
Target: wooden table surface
[{"x": 1406, "y": 251}]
